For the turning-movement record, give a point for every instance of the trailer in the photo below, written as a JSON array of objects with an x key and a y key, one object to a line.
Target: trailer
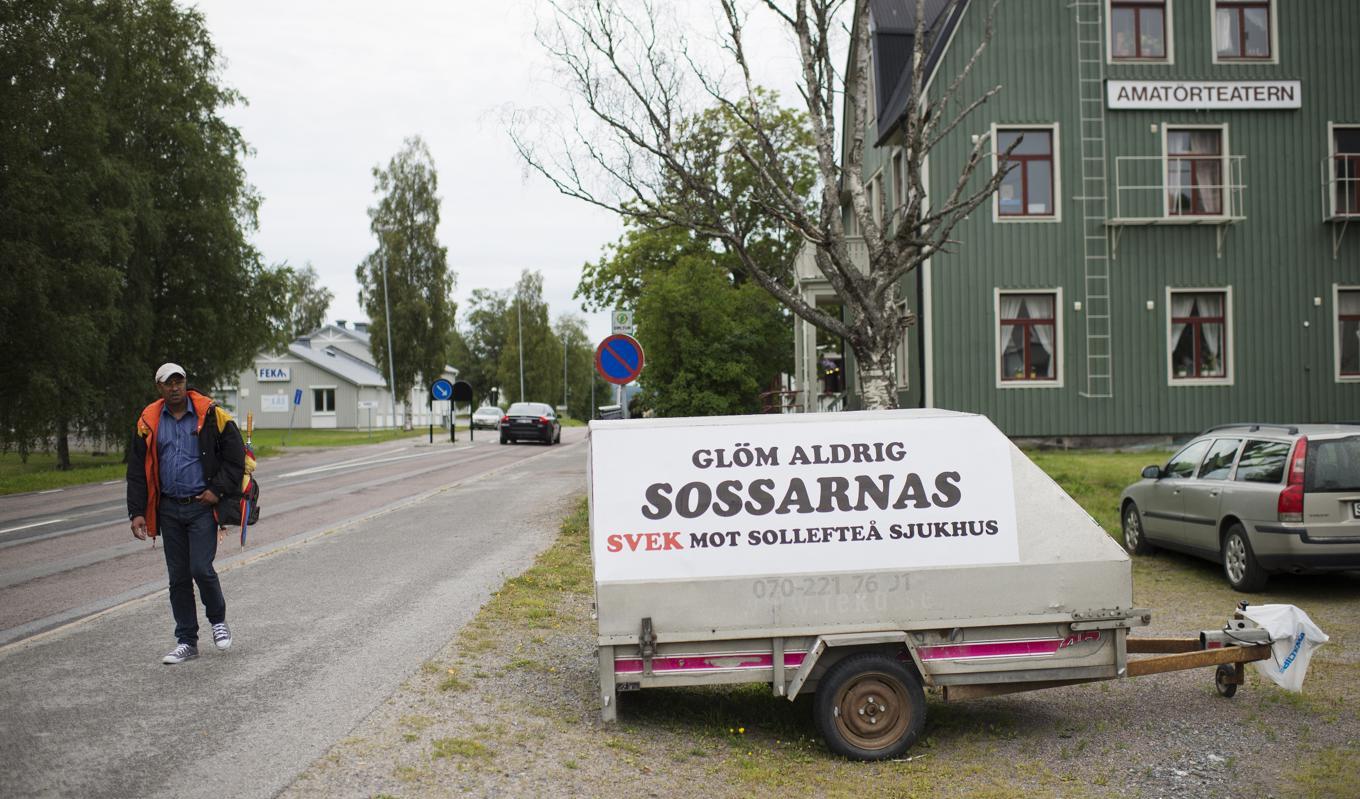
[{"x": 861, "y": 557}]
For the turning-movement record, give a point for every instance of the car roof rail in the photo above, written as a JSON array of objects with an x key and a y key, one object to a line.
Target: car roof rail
[{"x": 1253, "y": 427}]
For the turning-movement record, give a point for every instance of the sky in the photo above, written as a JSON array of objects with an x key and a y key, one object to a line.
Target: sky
[{"x": 333, "y": 88}]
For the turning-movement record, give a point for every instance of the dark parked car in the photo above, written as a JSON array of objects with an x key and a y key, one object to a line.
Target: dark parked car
[
  {"x": 530, "y": 421},
  {"x": 1257, "y": 498}
]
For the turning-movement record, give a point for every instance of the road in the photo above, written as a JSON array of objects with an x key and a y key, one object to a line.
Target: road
[{"x": 366, "y": 563}]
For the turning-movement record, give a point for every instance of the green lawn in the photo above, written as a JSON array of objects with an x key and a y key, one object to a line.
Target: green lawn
[
  {"x": 1096, "y": 478},
  {"x": 41, "y": 474}
]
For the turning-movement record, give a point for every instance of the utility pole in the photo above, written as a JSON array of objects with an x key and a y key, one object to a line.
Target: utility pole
[
  {"x": 564, "y": 374},
  {"x": 519, "y": 322},
  {"x": 391, "y": 368}
]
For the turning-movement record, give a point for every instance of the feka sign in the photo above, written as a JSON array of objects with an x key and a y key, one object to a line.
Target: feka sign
[
  {"x": 273, "y": 374},
  {"x": 687, "y": 498},
  {"x": 1227, "y": 95}
]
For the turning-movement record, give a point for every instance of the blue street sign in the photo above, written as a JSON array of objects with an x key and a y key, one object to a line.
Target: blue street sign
[
  {"x": 441, "y": 389},
  {"x": 619, "y": 359},
  {"x": 297, "y": 397}
]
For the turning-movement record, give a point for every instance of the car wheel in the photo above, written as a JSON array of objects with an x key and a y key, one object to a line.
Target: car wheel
[
  {"x": 1134, "y": 539},
  {"x": 870, "y": 707},
  {"x": 1239, "y": 562}
]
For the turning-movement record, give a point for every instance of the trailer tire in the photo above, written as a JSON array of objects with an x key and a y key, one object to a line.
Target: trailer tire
[
  {"x": 1222, "y": 677},
  {"x": 870, "y": 706}
]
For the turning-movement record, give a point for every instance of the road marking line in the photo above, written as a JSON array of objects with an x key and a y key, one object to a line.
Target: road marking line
[
  {"x": 26, "y": 526},
  {"x": 50, "y": 491},
  {"x": 353, "y": 464}
]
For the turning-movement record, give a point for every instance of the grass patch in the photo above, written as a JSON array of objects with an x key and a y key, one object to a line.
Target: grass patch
[
  {"x": 463, "y": 748},
  {"x": 1330, "y": 774},
  {"x": 529, "y": 601},
  {"x": 451, "y": 681},
  {"x": 40, "y": 473},
  {"x": 1096, "y": 479}
]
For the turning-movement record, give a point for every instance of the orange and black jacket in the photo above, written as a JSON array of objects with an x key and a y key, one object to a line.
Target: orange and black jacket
[{"x": 221, "y": 451}]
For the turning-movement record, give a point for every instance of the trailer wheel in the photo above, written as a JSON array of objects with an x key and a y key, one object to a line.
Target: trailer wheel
[
  {"x": 870, "y": 707},
  {"x": 1223, "y": 677}
]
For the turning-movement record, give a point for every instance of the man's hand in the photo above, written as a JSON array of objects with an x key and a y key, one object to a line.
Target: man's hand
[
  {"x": 207, "y": 497},
  {"x": 139, "y": 527}
]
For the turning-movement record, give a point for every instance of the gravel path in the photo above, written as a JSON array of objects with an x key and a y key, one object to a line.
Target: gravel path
[{"x": 508, "y": 711}]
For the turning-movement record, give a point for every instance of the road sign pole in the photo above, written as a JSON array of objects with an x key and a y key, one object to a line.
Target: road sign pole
[{"x": 431, "y": 419}]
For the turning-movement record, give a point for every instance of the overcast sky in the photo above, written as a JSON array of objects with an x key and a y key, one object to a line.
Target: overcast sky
[
  {"x": 333, "y": 90},
  {"x": 334, "y": 87}
]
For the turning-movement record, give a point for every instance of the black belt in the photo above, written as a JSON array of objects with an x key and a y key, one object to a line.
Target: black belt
[{"x": 179, "y": 500}]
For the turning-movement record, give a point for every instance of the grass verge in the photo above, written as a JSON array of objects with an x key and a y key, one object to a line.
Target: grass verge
[
  {"x": 1095, "y": 479},
  {"x": 40, "y": 473}
]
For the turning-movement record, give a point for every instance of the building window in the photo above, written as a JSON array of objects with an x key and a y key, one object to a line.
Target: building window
[
  {"x": 1028, "y": 336},
  {"x": 1346, "y": 170},
  {"x": 323, "y": 400},
  {"x": 1242, "y": 30},
  {"x": 875, "y": 198},
  {"x": 1348, "y": 332},
  {"x": 1138, "y": 30},
  {"x": 1194, "y": 172},
  {"x": 1199, "y": 335},
  {"x": 899, "y": 178},
  {"x": 1028, "y": 188}
]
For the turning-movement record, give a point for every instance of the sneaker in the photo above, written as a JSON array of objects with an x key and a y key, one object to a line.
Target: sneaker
[
  {"x": 222, "y": 635},
  {"x": 180, "y": 654}
]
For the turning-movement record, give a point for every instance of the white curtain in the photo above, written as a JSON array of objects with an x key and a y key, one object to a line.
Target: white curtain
[
  {"x": 1042, "y": 307},
  {"x": 1180, "y": 306},
  {"x": 1212, "y": 305},
  {"x": 1225, "y": 35},
  {"x": 1010, "y": 309}
]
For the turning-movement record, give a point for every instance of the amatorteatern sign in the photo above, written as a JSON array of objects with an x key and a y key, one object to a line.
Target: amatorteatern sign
[
  {"x": 1228, "y": 95},
  {"x": 724, "y": 500}
]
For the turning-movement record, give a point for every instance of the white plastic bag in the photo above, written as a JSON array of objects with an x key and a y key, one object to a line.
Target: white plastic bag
[{"x": 1294, "y": 636}]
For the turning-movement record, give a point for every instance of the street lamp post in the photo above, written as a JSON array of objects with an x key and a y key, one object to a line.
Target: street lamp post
[
  {"x": 519, "y": 322},
  {"x": 391, "y": 368}
]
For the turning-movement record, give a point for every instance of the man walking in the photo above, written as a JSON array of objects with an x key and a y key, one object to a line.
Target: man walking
[{"x": 186, "y": 456}]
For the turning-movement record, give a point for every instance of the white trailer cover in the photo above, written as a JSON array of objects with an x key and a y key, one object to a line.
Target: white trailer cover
[{"x": 785, "y": 525}]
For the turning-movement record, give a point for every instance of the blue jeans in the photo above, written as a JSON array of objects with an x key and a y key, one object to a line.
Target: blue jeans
[{"x": 189, "y": 535}]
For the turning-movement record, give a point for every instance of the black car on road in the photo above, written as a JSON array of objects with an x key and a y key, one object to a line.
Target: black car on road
[{"x": 531, "y": 421}]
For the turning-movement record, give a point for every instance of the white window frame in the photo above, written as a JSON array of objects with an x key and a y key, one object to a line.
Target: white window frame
[
  {"x": 1060, "y": 373},
  {"x": 874, "y": 190},
  {"x": 1056, "y": 216},
  {"x": 897, "y": 165},
  {"x": 1229, "y": 374},
  {"x": 1274, "y": 37},
  {"x": 313, "y": 389},
  {"x": 901, "y": 355},
  {"x": 1167, "y": 14},
  {"x": 1330, "y": 172},
  {"x": 1224, "y": 168},
  {"x": 1337, "y": 288}
]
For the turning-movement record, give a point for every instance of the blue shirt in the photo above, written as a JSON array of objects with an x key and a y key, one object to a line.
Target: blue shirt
[{"x": 177, "y": 449}]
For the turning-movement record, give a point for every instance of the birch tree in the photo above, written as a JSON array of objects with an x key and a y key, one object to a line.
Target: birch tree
[{"x": 635, "y": 87}]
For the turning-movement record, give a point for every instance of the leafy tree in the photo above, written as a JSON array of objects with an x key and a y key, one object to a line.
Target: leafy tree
[
  {"x": 711, "y": 345},
  {"x": 478, "y": 345},
  {"x": 570, "y": 330},
  {"x": 527, "y": 317},
  {"x": 305, "y": 302},
  {"x": 126, "y": 214},
  {"x": 408, "y": 271}
]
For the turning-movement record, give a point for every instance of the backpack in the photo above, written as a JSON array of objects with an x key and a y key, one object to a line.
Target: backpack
[{"x": 229, "y": 510}]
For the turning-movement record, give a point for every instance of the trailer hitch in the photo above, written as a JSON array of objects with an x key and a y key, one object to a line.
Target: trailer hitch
[{"x": 647, "y": 645}]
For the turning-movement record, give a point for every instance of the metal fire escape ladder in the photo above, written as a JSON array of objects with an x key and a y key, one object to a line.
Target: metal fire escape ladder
[{"x": 1092, "y": 199}]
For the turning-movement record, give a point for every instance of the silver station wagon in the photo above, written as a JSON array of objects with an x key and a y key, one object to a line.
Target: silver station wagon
[{"x": 1258, "y": 498}]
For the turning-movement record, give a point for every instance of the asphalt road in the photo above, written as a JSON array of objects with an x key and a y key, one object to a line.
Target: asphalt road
[
  {"x": 68, "y": 553},
  {"x": 329, "y": 617}
]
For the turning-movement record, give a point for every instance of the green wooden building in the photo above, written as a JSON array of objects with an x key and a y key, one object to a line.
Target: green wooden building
[{"x": 1178, "y": 244}]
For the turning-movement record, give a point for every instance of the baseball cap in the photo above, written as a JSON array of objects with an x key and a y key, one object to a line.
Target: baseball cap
[{"x": 168, "y": 370}]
